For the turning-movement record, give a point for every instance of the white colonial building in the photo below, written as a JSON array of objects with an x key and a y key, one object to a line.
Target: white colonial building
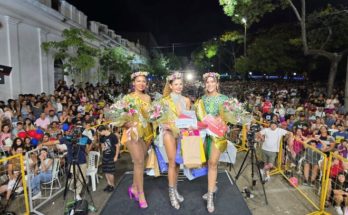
[{"x": 25, "y": 24}]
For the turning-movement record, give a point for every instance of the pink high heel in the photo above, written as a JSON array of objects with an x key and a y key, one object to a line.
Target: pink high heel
[
  {"x": 131, "y": 194},
  {"x": 142, "y": 204}
]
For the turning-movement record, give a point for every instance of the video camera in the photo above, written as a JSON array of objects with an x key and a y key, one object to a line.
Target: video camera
[
  {"x": 254, "y": 128},
  {"x": 76, "y": 136}
]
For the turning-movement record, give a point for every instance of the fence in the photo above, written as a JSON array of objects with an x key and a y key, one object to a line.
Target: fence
[
  {"x": 336, "y": 183},
  {"x": 49, "y": 187},
  {"x": 12, "y": 173}
]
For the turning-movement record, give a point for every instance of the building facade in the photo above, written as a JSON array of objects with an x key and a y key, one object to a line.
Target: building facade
[{"x": 26, "y": 24}]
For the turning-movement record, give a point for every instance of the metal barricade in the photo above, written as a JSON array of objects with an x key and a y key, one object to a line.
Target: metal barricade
[
  {"x": 336, "y": 184},
  {"x": 49, "y": 188},
  {"x": 306, "y": 171},
  {"x": 13, "y": 184}
]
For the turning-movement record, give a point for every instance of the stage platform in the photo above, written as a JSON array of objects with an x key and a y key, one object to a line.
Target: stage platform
[{"x": 227, "y": 201}]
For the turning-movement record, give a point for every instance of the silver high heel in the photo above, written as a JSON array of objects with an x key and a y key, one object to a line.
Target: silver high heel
[
  {"x": 205, "y": 196},
  {"x": 210, "y": 202},
  {"x": 179, "y": 197},
  {"x": 173, "y": 200}
]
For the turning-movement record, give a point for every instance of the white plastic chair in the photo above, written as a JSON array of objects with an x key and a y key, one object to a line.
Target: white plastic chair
[
  {"x": 55, "y": 177},
  {"x": 92, "y": 169}
]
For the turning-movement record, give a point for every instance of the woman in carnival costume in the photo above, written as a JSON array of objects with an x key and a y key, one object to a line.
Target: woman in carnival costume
[
  {"x": 211, "y": 104},
  {"x": 176, "y": 104},
  {"x": 138, "y": 134}
]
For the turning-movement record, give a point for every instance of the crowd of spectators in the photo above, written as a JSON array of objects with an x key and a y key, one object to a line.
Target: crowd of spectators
[{"x": 302, "y": 108}]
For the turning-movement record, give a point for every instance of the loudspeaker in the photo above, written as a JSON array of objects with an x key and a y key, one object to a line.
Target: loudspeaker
[{"x": 5, "y": 70}]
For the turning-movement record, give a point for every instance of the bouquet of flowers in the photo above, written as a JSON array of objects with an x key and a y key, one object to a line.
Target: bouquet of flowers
[
  {"x": 156, "y": 112},
  {"x": 121, "y": 112},
  {"x": 234, "y": 112}
]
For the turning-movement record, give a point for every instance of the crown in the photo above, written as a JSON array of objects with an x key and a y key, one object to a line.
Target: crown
[
  {"x": 140, "y": 73},
  {"x": 211, "y": 74},
  {"x": 175, "y": 75}
]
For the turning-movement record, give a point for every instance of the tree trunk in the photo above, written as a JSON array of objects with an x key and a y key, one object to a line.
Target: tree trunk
[
  {"x": 346, "y": 91},
  {"x": 332, "y": 74}
]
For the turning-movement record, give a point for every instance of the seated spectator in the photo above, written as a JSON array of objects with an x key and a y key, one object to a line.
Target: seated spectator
[
  {"x": 54, "y": 130},
  {"x": 13, "y": 171},
  {"x": 28, "y": 125},
  {"x": 312, "y": 158},
  {"x": 17, "y": 143},
  {"x": 52, "y": 117},
  {"x": 42, "y": 122},
  {"x": 341, "y": 134},
  {"x": 19, "y": 128},
  {"x": 342, "y": 148},
  {"x": 340, "y": 193},
  {"x": 64, "y": 118},
  {"x": 43, "y": 173},
  {"x": 327, "y": 141},
  {"x": 5, "y": 137},
  {"x": 296, "y": 145}
]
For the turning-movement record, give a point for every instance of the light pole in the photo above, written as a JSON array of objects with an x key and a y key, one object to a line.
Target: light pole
[{"x": 244, "y": 21}]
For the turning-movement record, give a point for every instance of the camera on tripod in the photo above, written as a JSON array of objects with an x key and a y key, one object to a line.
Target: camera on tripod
[
  {"x": 76, "y": 136},
  {"x": 254, "y": 128}
]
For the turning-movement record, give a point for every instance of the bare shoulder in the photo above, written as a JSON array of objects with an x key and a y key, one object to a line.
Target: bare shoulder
[{"x": 147, "y": 98}]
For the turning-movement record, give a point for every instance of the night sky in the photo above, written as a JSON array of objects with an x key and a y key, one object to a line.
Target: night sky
[
  {"x": 181, "y": 21},
  {"x": 190, "y": 22}
]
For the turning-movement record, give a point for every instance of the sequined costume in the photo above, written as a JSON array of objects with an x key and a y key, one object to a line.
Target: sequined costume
[
  {"x": 143, "y": 127},
  {"x": 176, "y": 104},
  {"x": 212, "y": 105}
]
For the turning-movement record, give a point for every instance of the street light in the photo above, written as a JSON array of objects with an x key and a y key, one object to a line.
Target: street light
[{"x": 244, "y": 21}]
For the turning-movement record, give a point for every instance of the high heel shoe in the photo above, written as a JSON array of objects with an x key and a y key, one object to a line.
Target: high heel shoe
[
  {"x": 205, "y": 196},
  {"x": 179, "y": 197},
  {"x": 210, "y": 202},
  {"x": 173, "y": 200},
  {"x": 142, "y": 204},
  {"x": 132, "y": 195}
]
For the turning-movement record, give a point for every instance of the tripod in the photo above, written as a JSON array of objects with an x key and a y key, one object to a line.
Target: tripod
[
  {"x": 75, "y": 165},
  {"x": 253, "y": 158}
]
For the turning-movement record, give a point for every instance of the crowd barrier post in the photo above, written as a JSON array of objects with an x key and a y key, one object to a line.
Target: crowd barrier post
[
  {"x": 3, "y": 162},
  {"x": 327, "y": 185}
]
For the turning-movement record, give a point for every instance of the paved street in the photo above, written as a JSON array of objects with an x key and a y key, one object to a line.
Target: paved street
[{"x": 281, "y": 197}]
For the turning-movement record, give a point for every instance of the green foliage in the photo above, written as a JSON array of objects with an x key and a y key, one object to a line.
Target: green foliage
[
  {"x": 200, "y": 60},
  {"x": 158, "y": 65},
  {"x": 272, "y": 51},
  {"x": 325, "y": 29},
  {"x": 210, "y": 49},
  {"x": 252, "y": 11},
  {"x": 116, "y": 60},
  {"x": 174, "y": 62},
  {"x": 75, "y": 52},
  {"x": 232, "y": 36}
]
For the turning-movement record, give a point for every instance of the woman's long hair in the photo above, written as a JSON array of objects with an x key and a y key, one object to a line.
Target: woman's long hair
[{"x": 166, "y": 89}]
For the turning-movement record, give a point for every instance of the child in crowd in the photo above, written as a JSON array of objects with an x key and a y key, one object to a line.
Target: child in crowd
[{"x": 111, "y": 149}]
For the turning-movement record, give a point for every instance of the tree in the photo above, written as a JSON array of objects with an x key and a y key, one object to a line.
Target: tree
[
  {"x": 75, "y": 50},
  {"x": 272, "y": 51},
  {"x": 333, "y": 17},
  {"x": 116, "y": 60},
  {"x": 158, "y": 65}
]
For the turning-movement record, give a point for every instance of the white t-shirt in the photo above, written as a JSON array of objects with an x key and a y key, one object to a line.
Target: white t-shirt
[{"x": 272, "y": 138}]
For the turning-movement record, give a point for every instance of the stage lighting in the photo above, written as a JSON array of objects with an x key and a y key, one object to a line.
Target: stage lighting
[{"x": 189, "y": 76}]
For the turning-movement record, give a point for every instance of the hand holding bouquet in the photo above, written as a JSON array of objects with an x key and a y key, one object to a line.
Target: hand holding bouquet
[{"x": 121, "y": 112}]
